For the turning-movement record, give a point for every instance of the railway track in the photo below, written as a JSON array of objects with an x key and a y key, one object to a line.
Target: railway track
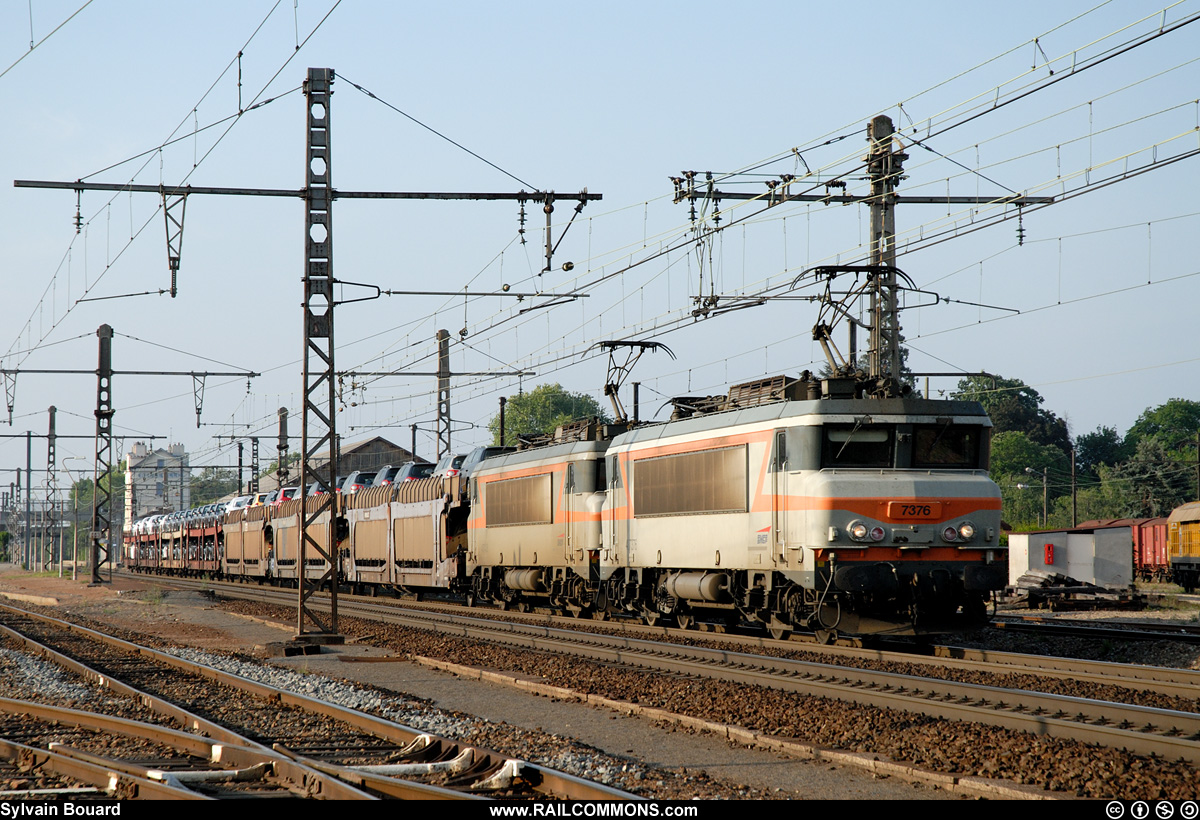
[
  {"x": 1170, "y": 682},
  {"x": 300, "y": 746},
  {"x": 1100, "y": 630},
  {"x": 106, "y": 757},
  {"x": 1170, "y": 733}
]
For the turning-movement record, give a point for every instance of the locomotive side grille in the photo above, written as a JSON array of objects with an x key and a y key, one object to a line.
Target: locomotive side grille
[
  {"x": 527, "y": 500},
  {"x": 709, "y": 481}
]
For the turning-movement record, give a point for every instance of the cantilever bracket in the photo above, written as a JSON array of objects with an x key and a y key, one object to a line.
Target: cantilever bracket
[
  {"x": 198, "y": 393},
  {"x": 10, "y": 392},
  {"x": 173, "y": 200}
]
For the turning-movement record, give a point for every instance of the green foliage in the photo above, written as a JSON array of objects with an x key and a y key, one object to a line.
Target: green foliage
[
  {"x": 1174, "y": 423},
  {"x": 269, "y": 470},
  {"x": 212, "y": 484},
  {"x": 1146, "y": 473},
  {"x": 1013, "y": 451},
  {"x": 1103, "y": 447},
  {"x": 1107, "y": 497},
  {"x": 1014, "y": 406},
  {"x": 84, "y": 490},
  {"x": 1156, "y": 480},
  {"x": 1021, "y": 490},
  {"x": 541, "y": 410}
]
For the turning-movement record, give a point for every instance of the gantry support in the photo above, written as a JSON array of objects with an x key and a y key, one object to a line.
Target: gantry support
[
  {"x": 281, "y": 467},
  {"x": 884, "y": 165},
  {"x": 318, "y": 422},
  {"x": 102, "y": 531},
  {"x": 51, "y": 486},
  {"x": 443, "y": 400}
]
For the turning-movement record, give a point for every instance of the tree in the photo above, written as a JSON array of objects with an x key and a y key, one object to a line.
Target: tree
[
  {"x": 84, "y": 490},
  {"x": 1110, "y": 497},
  {"x": 1012, "y": 453},
  {"x": 1103, "y": 447},
  {"x": 293, "y": 458},
  {"x": 79, "y": 503},
  {"x": 1175, "y": 422},
  {"x": 211, "y": 484},
  {"x": 1157, "y": 481},
  {"x": 1016, "y": 407},
  {"x": 541, "y": 410}
]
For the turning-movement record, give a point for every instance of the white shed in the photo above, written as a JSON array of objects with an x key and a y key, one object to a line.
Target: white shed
[{"x": 1102, "y": 557}]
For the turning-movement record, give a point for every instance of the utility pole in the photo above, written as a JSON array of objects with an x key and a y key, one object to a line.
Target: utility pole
[
  {"x": 1074, "y": 493},
  {"x": 102, "y": 525},
  {"x": 102, "y": 496},
  {"x": 319, "y": 408},
  {"x": 26, "y": 545},
  {"x": 443, "y": 375},
  {"x": 253, "y": 464},
  {"x": 1045, "y": 499},
  {"x": 443, "y": 402},
  {"x": 51, "y": 483},
  {"x": 884, "y": 165},
  {"x": 281, "y": 468}
]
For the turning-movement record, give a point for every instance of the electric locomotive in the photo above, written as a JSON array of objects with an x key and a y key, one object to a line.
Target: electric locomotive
[{"x": 834, "y": 513}]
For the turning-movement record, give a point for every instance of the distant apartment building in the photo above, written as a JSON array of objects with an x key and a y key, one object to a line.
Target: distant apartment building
[{"x": 156, "y": 481}]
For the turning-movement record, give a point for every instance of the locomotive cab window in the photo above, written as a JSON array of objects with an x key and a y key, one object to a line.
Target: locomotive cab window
[
  {"x": 953, "y": 446},
  {"x": 850, "y": 445}
]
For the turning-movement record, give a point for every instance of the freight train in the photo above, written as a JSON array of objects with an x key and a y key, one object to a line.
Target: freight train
[
  {"x": 1164, "y": 550},
  {"x": 791, "y": 504},
  {"x": 1183, "y": 545}
]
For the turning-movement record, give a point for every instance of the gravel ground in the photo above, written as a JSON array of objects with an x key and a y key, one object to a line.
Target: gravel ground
[
  {"x": 24, "y": 676},
  {"x": 1066, "y": 768},
  {"x": 1062, "y": 766}
]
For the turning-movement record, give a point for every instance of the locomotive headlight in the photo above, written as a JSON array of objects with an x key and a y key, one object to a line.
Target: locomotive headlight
[
  {"x": 966, "y": 530},
  {"x": 858, "y": 530},
  {"x": 950, "y": 534}
]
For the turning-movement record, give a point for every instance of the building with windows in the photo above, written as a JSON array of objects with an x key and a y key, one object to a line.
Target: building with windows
[{"x": 156, "y": 481}]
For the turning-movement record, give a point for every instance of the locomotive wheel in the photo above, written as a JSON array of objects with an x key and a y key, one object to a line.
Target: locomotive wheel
[
  {"x": 577, "y": 601},
  {"x": 651, "y": 617},
  {"x": 685, "y": 621},
  {"x": 779, "y": 631},
  {"x": 826, "y": 637},
  {"x": 600, "y": 613}
]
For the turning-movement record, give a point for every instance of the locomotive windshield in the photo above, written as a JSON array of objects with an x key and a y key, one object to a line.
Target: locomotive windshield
[
  {"x": 942, "y": 446},
  {"x": 857, "y": 446}
]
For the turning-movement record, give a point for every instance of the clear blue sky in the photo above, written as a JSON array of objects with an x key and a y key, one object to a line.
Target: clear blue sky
[{"x": 613, "y": 97}]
